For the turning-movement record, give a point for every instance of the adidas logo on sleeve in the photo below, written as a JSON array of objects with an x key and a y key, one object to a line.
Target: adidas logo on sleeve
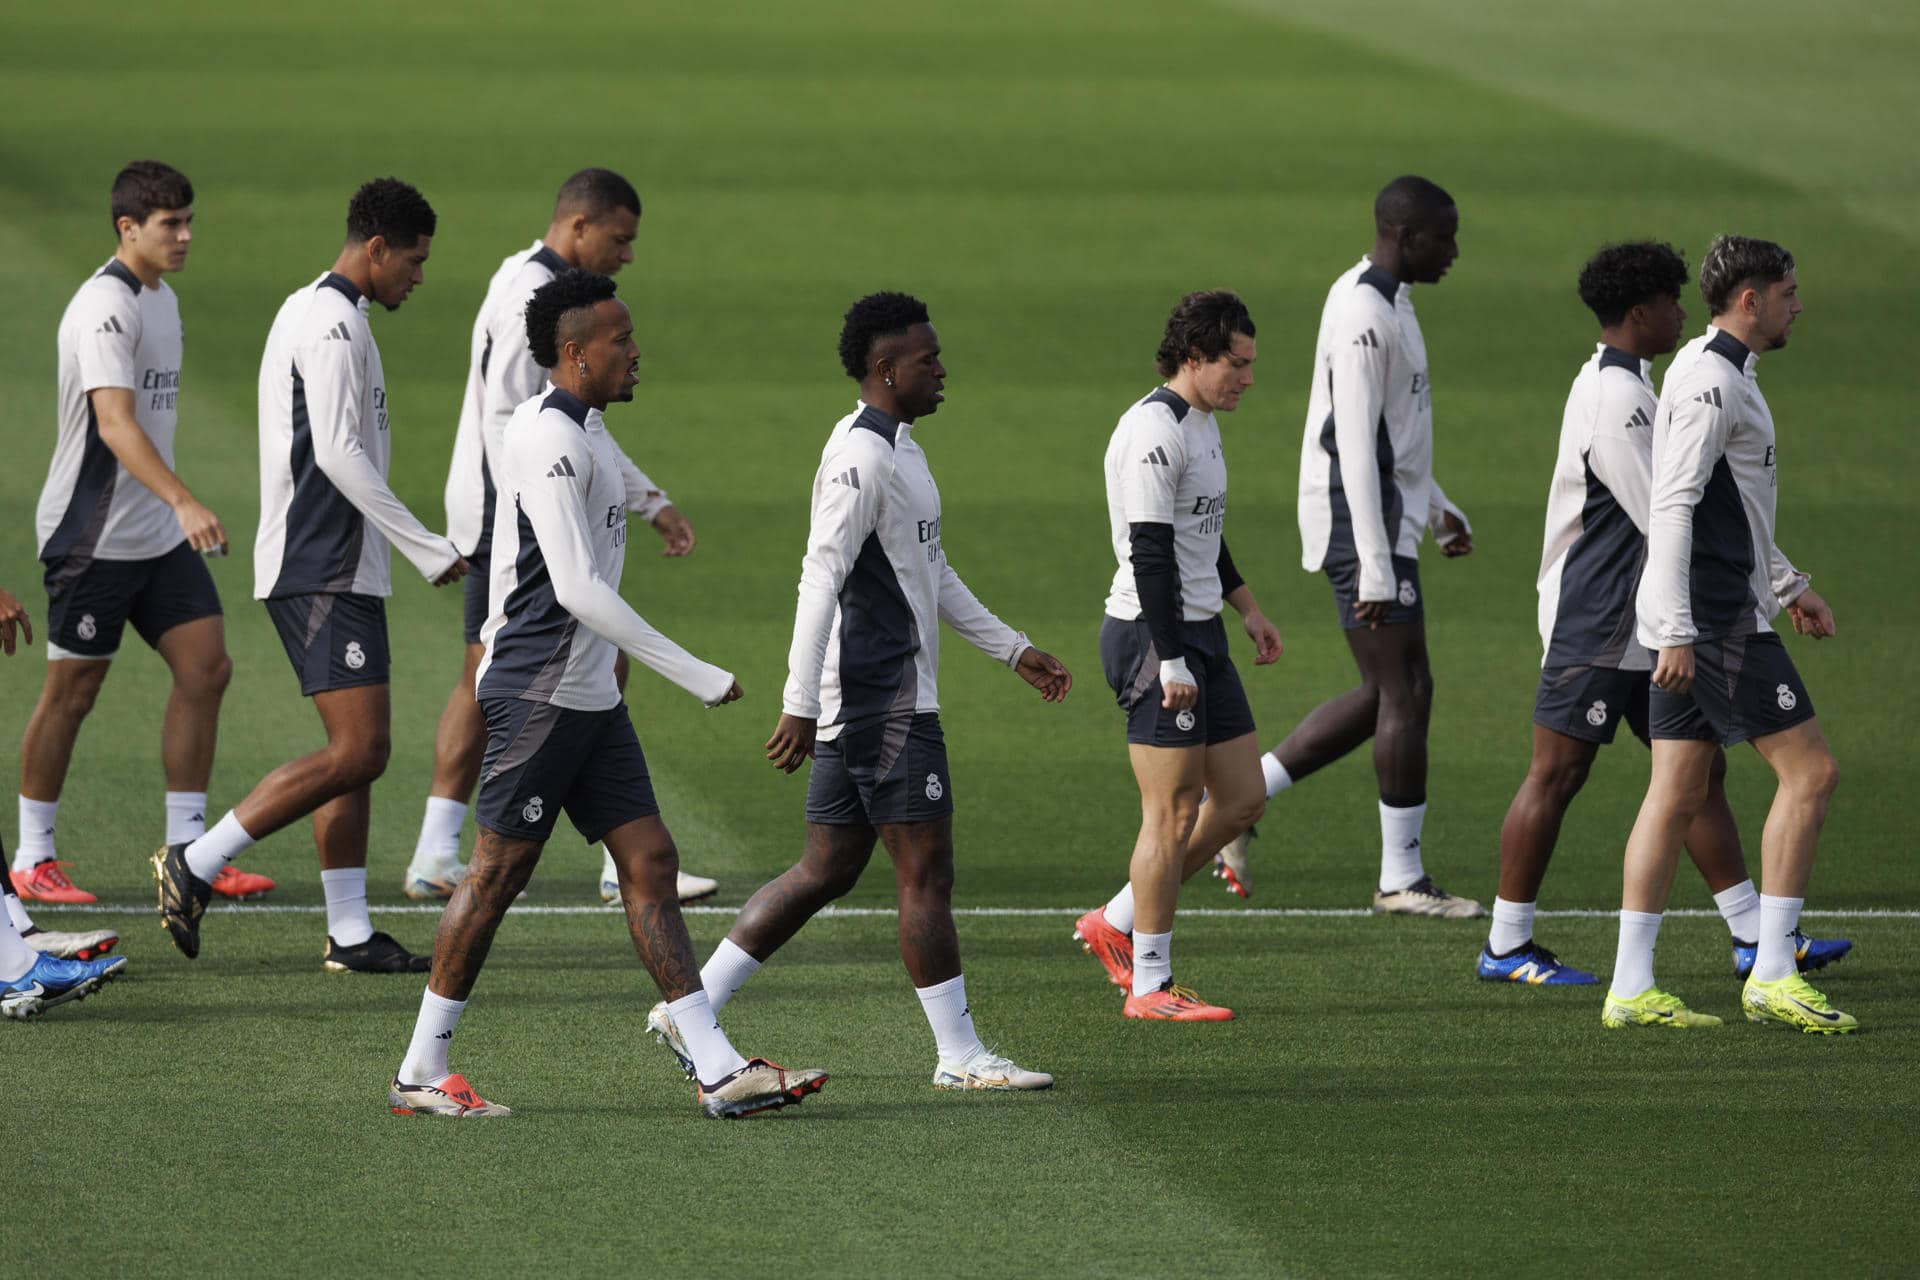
[
  {"x": 850, "y": 478},
  {"x": 563, "y": 469},
  {"x": 1368, "y": 339},
  {"x": 1639, "y": 419},
  {"x": 111, "y": 326},
  {"x": 1158, "y": 458},
  {"x": 339, "y": 332},
  {"x": 1710, "y": 396}
]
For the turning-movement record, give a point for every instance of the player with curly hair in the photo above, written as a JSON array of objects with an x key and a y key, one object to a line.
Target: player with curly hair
[
  {"x": 1594, "y": 674},
  {"x": 1190, "y": 733},
  {"x": 861, "y": 699},
  {"x": 320, "y": 562}
]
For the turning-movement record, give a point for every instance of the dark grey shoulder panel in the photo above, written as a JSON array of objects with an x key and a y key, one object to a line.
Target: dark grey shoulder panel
[
  {"x": 1170, "y": 398},
  {"x": 1381, "y": 281},
  {"x": 1615, "y": 358},
  {"x": 1730, "y": 349},
  {"x": 345, "y": 287},
  {"x": 550, "y": 260},
  {"x": 568, "y": 403},
  {"x": 121, "y": 272},
  {"x": 872, "y": 419}
]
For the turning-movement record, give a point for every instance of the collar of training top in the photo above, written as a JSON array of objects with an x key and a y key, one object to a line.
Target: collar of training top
[
  {"x": 568, "y": 403},
  {"x": 1731, "y": 349},
  {"x": 1381, "y": 280},
  {"x": 552, "y": 261},
  {"x": 121, "y": 272},
  {"x": 1170, "y": 398},
  {"x": 1612, "y": 357},
  {"x": 347, "y": 288},
  {"x": 878, "y": 421}
]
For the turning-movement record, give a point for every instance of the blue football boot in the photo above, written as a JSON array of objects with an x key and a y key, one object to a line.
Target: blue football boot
[
  {"x": 1808, "y": 953},
  {"x": 1531, "y": 964},
  {"x": 53, "y": 981}
]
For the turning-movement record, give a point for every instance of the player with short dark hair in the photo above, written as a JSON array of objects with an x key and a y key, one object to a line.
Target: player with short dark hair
[
  {"x": 31, "y": 978},
  {"x": 1367, "y": 494},
  {"x": 1190, "y": 734},
  {"x": 558, "y": 734},
  {"x": 121, "y": 535},
  {"x": 1594, "y": 674},
  {"x": 861, "y": 696},
  {"x": 1714, "y": 580},
  {"x": 595, "y": 218},
  {"x": 320, "y": 562}
]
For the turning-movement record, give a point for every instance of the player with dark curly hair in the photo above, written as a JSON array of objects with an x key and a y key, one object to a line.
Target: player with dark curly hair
[
  {"x": 596, "y": 216},
  {"x": 861, "y": 698},
  {"x": 558, "y": 733},
  {"x": 1190, "y": 732},
  {"x": 320, "y": 562},
  {"x": 1594, "y": 674}
]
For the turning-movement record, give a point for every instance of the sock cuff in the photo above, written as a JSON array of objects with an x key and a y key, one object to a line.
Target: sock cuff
[
  {"x": 956, "y": 983},
  {"x": 441, "y": 1003},
  {"x": 1736, "y": 894},
  {"x": 344, "y": 875},
  {"x": 1517, "y": 910},
  {"x": 733, "y": 953},
  {"x": 1641, "y": 917},
  {"x": 1402, "y": 810},
  {"x": 693, "y": 1001},
  {"x": 195, "y": 798},
  {"x": 1781, "y": 904}
]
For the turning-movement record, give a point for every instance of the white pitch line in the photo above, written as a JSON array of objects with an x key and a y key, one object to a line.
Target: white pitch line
[{"x": 1249, "y": 913}]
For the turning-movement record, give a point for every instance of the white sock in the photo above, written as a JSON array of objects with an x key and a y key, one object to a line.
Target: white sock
[
  {"x": 610, "y": 874},
  {"x": 17, "y": 913},
  {"x": 725, "y": 972},
  {"x": 426, "y": 1060},
  {"x": 347, "y": 922},
  {"x": 714, "y": 1057},
  {"x": 186, "y": 816},
  {"x": 214, "y": 850},
  {"x": 1119, "y": 910},
  {"x": 1779, "y": 917},
  {"x": 945, "y": 1004},
  {"x": 439, "y": 840},
  {"x": 1400, "y": 846},
  {"x": 1152, "y": 961},
  {"x": 36, "y": 833},
  {"x": 1740, "y": 908},
  {"x": 1278, "y": 779},
  {"x": 16, "y": 957},
  {"x": 1512, "y": 926},
  {"x": 1633, "y": 962}
]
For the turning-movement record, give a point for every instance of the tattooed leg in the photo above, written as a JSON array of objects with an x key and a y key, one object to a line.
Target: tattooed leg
[
  {"x": 498, "y": 871},
  {"x": 644, "y": 855},
  {"x": 834, "y": 858},
  {"x": 922, "y": 855}
]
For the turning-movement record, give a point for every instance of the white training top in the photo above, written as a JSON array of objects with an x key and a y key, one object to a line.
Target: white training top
[
  {"x": 501, "y": 375},
  {"x": 1596, "y": 538},
  {"x": 560, "y": 544},
  {"x": 876, "y": 584},
  {"x": 1164, "y": 465},
  {"x": 115, "y": 333},
  {"x": 1366, "y": 458},
  {"x": 326, "y": 513},
  {"x": 1712, "y": 567}
]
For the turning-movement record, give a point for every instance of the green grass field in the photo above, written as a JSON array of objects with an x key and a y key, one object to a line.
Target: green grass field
[{"x": 1051, "y": 179}]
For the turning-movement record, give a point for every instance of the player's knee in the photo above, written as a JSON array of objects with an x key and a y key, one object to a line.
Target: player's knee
[
  {"x": 71, "y": 699},
  {"x": 1562, "y": 779},
  {"x": 1819, "y": 778},
  {"x": 359, "y": 762},
  {"x": 1247, "y": 811},
  {"x": 207, "y": 679},
  {"x": 929, "y": 877}
]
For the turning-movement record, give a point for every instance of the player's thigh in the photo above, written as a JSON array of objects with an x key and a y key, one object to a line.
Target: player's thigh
[
  {"x": 1232, "y": 771},
  {"x": 1799, "y": 755},
  {"x": 195, "y": 652},
  {"x": 175, "y": 591},
  {"x": 1392, "y": 656},
  {"x": 534, "y": 752},
  {"x": 611, "y": 785},
  {"x": 360, "y": 715},
  {"x": 919, "y": 846},
  {"x": 1168, "y": 776},
  {"x": 645, "y": 838},
  {"x": 1588, "y": 703},
  {"x": 1680, "y": 771}
]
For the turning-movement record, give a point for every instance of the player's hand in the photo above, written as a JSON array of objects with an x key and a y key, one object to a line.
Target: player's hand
[
  {"x": 455, "y": 571},
  {"x": 792, "y": 742},
  {"x": 1456, "y": 541},
  {"x": 1266, "y": 638},
  {"x": 674, "y": 531},
  {"x": 1044, "y": 672},
  {"x": 733, "y": 694},
  {"x": 1673, "y": 671},
  {"x": 1372, "y": 612},
  {"x": 202, "y": 527},
  {"x": 11, "y": 612},
  {"x": 1811, "y": 616}
]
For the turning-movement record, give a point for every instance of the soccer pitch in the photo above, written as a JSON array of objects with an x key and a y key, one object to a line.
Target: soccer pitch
[{"x": 1050, "y": 179}]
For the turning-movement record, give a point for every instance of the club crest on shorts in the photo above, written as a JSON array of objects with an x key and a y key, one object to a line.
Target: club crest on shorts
[
  {"x": 1407, "y": 594},
  {"x": 934, "y": 789},
  {"x": 1597, "y": 713},
  {"x": 86, "y": 630},
  {"x": 1185, "y": 721},
  {"x": 534, "y": 808},
  {"x": 1786, "y": 697},
  {"x": 355, "y": 656}
]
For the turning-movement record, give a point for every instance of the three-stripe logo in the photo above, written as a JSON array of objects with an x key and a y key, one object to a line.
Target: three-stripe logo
[
  {"x": 111, "y": 326},
  {"x": 562, "y": 469},
  {"x": 1368, "y": 339},
  {"x": 339, "y": 332},
  {"x": 1710, "y": 396},
  {"x": 1639, "y": 419},
  {"x": 1157, "y": 458},
  {"x": 850, "y": 478}
]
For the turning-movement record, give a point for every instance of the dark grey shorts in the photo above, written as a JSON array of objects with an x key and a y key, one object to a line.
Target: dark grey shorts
[
  {"x": 90, "y": 602},
  {"x": 473, "y": 596},
  {"x": 1409, "y": 605},
  {"x": 889, "y": 772},
  {"x": 334, "y": 640},
  {"x": 1589, "y": 703},
  {"x": 542, "y": 759},
  {"x": 1132, "y": 666},
  {"x": 1744, "y": 687}
]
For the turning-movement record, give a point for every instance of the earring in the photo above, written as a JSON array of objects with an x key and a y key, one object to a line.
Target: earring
[
  {"x": 889, "y": 381},
  {"x": 581, "y": 366}
]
